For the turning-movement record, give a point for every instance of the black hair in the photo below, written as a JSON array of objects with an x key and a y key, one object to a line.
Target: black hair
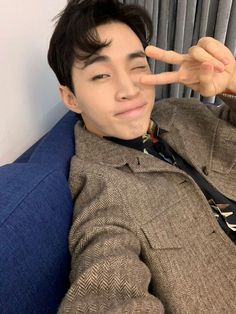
[{"x": 75, "y": 36}]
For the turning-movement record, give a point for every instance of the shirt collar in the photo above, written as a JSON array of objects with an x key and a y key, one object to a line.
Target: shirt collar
[{"x": 152, "y": 135}]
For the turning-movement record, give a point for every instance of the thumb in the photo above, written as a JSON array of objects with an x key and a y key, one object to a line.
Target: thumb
[{"x": 207, "y": 87}]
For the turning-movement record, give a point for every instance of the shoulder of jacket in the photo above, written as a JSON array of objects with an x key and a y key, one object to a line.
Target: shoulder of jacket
[{"x": 177, "y": 102}]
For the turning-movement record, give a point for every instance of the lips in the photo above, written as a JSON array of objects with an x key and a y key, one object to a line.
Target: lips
[{"x": 131, "y": 111}]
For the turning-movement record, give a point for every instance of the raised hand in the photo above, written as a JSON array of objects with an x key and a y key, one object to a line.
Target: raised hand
[{"x": 208, "y": 68}]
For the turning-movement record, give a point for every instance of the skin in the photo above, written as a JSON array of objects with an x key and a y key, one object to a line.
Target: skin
[
  {"x": 208, "y": 68},
  {"x": 109, "y": 93},
  {"x": 115, "y": 92}
]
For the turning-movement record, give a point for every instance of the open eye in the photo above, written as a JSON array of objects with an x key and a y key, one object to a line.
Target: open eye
[{"x": 100, "y": 77}]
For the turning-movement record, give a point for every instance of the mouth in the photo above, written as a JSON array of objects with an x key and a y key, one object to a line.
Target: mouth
[{"x": 131, "y": 113}]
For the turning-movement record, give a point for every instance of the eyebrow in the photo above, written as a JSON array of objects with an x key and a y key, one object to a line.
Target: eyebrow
[{"x": 102, "y": 58}]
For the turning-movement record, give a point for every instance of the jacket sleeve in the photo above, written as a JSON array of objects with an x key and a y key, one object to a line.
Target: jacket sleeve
[
  {"x": 107, "y": 274},
  {"x": 226, "y": 111}
]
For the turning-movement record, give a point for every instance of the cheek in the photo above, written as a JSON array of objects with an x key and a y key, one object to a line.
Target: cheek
[
  {"x": 150, "y": 93},
  {"x": 95, "y": 99},
  {"x": 96, "y": 108}
]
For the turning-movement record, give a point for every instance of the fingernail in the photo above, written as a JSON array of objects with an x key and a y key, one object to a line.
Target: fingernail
[
  {"x": 206, "y": 67},
  {"x": 220, "y": 68},
  {"x": 142, "y": 80},
  {"x": 225, "y": 61}
]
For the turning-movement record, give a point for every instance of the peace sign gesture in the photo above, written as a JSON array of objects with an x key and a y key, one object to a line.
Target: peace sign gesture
[{"x": 208, "y": 68}]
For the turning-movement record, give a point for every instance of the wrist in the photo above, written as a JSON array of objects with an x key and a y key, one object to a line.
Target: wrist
[{"x": 231, "y": 90}]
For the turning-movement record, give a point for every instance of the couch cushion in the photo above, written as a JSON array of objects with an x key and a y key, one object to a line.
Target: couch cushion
[
  {"x": 57, "y": 146},
  {"x": 35, "y": 217}
]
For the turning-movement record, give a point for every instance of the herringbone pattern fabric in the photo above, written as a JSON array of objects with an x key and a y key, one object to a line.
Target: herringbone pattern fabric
[{"x": 144, "y": 239}]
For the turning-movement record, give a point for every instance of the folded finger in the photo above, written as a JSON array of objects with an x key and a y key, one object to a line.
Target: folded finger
[
  {"x": 201, "y": 55},
  {"x": 215, "y": 48}
]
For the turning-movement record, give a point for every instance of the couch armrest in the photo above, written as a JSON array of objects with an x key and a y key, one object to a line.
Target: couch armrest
[{"x": 35, "y": 218}]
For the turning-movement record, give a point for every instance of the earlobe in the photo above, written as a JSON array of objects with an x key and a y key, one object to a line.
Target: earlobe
[{"x": 69, "y": 99}]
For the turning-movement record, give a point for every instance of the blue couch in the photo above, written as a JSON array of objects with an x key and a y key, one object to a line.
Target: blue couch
[{"x": 35, "y": 218}]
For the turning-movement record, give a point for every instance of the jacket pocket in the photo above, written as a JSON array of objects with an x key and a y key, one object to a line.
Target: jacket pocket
[
  {"x": 162, "y": 233},
  {"x": 182, "y": 225}
]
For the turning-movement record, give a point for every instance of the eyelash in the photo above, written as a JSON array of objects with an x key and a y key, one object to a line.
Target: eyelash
[
  {"x": 101, "y": 76},
  {"x": 140, "y": 67}
]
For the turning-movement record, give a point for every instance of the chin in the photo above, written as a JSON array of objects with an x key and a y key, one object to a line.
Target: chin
[
  {"x": 130, "y": 130},
  {"x": 132, "y": 135}
]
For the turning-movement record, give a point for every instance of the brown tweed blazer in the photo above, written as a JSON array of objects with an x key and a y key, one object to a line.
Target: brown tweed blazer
[{"x": 144, "y": 239}]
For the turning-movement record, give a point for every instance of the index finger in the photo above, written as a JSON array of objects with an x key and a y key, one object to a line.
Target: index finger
[
  {"x": 167, "y": 56},
  {"x": 160, "y": 79}
]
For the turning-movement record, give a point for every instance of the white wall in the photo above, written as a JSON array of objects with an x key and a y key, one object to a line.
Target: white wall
[{"x": 29, "y": 103}]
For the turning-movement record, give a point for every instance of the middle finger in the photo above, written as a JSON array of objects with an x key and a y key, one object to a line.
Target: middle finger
[{"x": 167, "y": 56}]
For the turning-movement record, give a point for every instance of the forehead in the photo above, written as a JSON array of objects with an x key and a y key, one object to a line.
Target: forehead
[
  {"x": 122, "y": 42},
  {"x": 121, "y": 36}
]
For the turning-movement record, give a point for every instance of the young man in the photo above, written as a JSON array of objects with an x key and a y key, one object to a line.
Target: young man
[{"x": 154, "y": 186}]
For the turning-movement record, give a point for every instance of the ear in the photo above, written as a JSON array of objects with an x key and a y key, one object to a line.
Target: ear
[{"x": 69, "y": 99}]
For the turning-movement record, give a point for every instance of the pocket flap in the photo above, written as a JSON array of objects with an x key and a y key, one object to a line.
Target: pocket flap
[{"x": 161, "y": 236}]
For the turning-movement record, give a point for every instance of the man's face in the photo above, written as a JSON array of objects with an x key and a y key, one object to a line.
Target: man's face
[{"x": 108, "y": 92}]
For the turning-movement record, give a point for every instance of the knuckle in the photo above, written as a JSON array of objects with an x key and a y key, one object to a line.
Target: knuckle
[
  {"x": 183, "y": 78},
  {"x": 204, "y": 40},
  {"x": 193, "y": 50},
  {"x": 171, "y": 55}
]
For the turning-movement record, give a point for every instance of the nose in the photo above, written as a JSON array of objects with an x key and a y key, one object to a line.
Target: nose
[{"x": 127, "y": 87}]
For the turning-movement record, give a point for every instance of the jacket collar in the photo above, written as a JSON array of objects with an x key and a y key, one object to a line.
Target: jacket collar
[
  {"x": 106, "y": 152},
  {"x": 97, "y": 149},
  {"x": 161, "y": 111}
]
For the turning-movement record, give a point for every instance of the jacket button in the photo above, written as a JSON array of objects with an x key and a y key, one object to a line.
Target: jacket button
[{"x": 205, "y": 170}]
